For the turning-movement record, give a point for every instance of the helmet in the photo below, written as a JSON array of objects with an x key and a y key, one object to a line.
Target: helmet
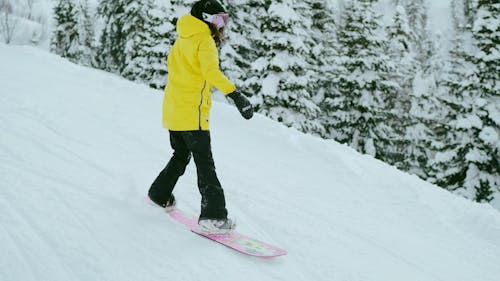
[{"x": 210, "y": 11}]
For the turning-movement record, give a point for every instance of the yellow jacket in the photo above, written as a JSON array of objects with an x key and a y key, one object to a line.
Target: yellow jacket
[{"x": 193, "y": 69}]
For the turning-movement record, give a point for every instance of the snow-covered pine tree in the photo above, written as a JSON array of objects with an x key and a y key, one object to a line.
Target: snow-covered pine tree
[
  {"x": 323, "y": 54},
  {"x": 417, "y": 11},
  {"x": 455, "y": 132},
  {"x": 425, "y": 114},
  {"x": 320, "y": 23},
  {"x": 237, "y": 54},
  {"x": 138, "y": 38},
  {"x": 163, "y": 22},
  {"x": 135, "y": 40},
  {"x": 468, "y": 159},
  {"x": 111, "y": 51},
  {"x": 65, "y": 39},
  {"x": 402, "y": 54},
  {"x": 401, "y": 152},
  {"x": 147, "y": 46},
  {"x": 87, "y": 44},
  {"x": 470, "y": 10},
  {"x": 425, "y": 107},
  {"x": 463, "y": 13},
  {"x": 457, "y": 13},
  {"x": 364, "y": 100},
  {"x": 323, "y": 32},
  {"x": 281, "y": 72},
  {"x": 486, "y": 31}
]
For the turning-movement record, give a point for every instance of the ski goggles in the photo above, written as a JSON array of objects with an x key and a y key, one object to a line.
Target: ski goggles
[{"x": 220, "y": 20}]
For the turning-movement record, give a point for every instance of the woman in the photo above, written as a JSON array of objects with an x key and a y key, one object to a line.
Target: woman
[{"x": 193, "y": 65}]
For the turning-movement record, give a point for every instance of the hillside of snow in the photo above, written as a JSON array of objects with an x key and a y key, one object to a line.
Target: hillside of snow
[{"x": 79, "y": 148}]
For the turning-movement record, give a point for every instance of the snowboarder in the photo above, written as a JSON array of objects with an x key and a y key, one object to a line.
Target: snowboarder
[{"x": 193, "y": 69}]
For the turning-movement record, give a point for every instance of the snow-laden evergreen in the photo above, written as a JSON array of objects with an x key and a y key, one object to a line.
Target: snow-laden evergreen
[
  {"x": 281, "y": 73},
  {"x": 150, "y": 29},
  {"x": 88, "y": 44},
  {"x": 74, "y": 35},
  {"x": 468, "y": 158},
  {"x": 456, "y": 131},
  {"x": 486, "y": 35},
  {"x": 238, "y": 51},
  {"x": 322, "y": 57},
  {"x": 418, "y": 17},
  {"x": 65, "y": 39},
  {"x": 404, "y": 65},
  {"x": 458, "y": 14},
  {"x": 364, "y": 99},
  {"x": 470, "y": 10},
  {"x": 113, "y": 40}
]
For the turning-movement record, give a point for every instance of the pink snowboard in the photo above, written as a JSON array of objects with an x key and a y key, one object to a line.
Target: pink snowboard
[{"x": 236, "y": 241}]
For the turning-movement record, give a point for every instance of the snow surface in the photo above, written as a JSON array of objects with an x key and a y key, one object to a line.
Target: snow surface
[{"x": 79, "y": 148}]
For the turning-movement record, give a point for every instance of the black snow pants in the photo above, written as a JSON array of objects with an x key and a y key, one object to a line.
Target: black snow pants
[{"x": 197, "y": 143}]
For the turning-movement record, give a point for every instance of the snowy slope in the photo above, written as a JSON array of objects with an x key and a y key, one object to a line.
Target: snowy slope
[{"x": 80, "y": 147}]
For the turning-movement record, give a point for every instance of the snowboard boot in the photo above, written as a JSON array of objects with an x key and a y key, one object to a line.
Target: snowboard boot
[
  {"x": 169, "y": 205},
  {"x": 217, "y": 227}
]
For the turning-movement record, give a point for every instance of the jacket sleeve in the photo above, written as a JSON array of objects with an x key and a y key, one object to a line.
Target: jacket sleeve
[{"x": 209, "y": 64}]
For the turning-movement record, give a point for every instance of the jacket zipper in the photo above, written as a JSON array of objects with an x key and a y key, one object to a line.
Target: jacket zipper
[{"x": 201, "y": 102}]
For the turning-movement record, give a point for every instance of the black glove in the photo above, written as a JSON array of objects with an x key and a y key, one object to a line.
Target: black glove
[{"x": 243, "y": 104}]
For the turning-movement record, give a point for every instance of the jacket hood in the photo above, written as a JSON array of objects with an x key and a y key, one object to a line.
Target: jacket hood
[{"x": 189, "y": 25}]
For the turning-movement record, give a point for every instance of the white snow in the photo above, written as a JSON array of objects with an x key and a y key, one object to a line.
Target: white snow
[
  {"x": 485, "y": 21},
  {"x": 284, "y": 11},
  {"x": 79, "y": 148},
  {"x": 270, "y": 85},
  {"x": 490, "y": 135},
  {"x": 476, "y": 155},
  {"x": 468, "y": 122},
  {"x": 442, "y": 157}
]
